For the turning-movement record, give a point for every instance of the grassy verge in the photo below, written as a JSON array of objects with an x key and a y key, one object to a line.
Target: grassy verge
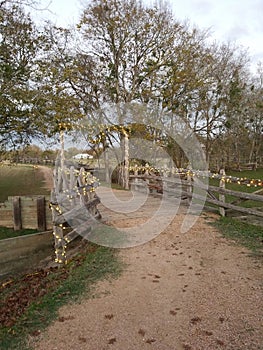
[
  {"x": 63, "y": 285},
  {"x": 6, "y": 232},
  {"x": 20, "y": 180},
  {"x": 248, "y": 235}
]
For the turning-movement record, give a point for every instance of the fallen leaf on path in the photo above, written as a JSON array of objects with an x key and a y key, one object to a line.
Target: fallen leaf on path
[
  {"x": 112, "y": 340},
  {"x": 172, "y": 312},
  {"x": 82, "y": 340},
  {"x": 195, "y": 320},
  {"x": 150, "y": 341},
  {"x": 141, "y": 332},
  {"x": 109, "y": 316}
]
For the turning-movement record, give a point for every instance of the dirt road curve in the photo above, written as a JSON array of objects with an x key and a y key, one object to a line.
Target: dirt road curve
[
  {"x": 179, "y": 291},
  {"x": 48, "y": 176}
]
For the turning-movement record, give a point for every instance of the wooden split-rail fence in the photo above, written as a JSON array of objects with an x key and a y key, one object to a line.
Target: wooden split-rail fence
[
  {"x": 74, "y": 207},
  {"x": 74, "y": 200},
  {"x": 189, "y": 188}
]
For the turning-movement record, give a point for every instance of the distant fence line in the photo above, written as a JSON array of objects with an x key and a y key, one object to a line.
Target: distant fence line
[
  {"x": 36, "y": 161},
  {"x": 21, "y": 212}
]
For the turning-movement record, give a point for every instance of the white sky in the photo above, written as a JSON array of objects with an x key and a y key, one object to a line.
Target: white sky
[{"x": 240, "y": 21}]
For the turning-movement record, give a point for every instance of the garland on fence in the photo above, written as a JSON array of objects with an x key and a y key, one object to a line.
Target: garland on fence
[
  {"x": 77, "y": 191},
  {"x": 198, "y": 173}
]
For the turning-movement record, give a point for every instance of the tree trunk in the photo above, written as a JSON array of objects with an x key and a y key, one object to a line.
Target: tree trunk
[
  {"x": 62, "y": 145},
  {"x": 251, "y": 150},
  {"x": 106, "y": 162},
  {"x": 124, "y": 168}
]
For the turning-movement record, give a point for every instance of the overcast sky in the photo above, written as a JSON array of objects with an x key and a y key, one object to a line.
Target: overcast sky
[{"x": 240, "y": 21}]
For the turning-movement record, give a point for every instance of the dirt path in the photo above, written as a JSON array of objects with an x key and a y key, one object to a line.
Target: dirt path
[
  {"x": 179, "y": 291},
  {"x": 48, "y": 176}
]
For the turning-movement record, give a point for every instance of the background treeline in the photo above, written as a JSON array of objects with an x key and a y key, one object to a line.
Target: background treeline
[{"x": 122, "y": 52}]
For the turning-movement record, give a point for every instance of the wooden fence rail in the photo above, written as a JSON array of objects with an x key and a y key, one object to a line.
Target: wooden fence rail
[{"x": 194, "y": 189}]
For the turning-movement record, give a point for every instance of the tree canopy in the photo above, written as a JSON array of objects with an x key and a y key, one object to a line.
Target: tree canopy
[{"x": 122, "y": 52}]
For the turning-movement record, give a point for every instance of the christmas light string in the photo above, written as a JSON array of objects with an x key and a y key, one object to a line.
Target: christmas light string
[
  {"x": 90, "y": 185},
  {"x": 198, "y": 173}
]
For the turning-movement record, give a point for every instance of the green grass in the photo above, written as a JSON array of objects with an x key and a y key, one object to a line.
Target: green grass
[
  {"x": 20, "y": 180},
  {"x": 250, "y": 236},
  {"x": 250, "y": 174},
  {"x": 6, "y": 232},
  {"x": 98, "y": 264}
]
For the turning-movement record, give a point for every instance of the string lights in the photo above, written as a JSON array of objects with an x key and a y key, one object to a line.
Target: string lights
[
  {"x": 198, "y": 173},
  {"x": 78, "y": 183}
]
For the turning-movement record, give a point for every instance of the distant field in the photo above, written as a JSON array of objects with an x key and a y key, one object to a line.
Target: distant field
[
  {"x": 20, "y": 180},
  {"x": 254, "y": 174}
]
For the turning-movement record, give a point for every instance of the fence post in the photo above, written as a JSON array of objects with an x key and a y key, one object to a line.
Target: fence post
[
  {"x": 17, "y": 213},
  {"x": 136, "y": 179},
  {"x": 41, "y": 214},
  {"x": 146, "y": 173},
  {"x": 189, "y": 188},
  {"x": 222, "y": 184},
  {"x": 165, "y": 184},
  {"x": 126, "y": 161}
]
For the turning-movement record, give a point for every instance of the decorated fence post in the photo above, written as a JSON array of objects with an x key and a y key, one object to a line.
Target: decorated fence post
[
  {"x": 136, "y": 180},
  {"x": 146, "y": 174},
  {"x": 73, "y": 203},
  {"x": 60, "y": 244}
]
